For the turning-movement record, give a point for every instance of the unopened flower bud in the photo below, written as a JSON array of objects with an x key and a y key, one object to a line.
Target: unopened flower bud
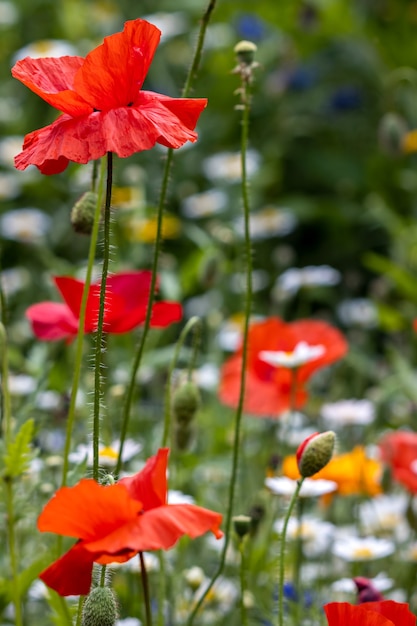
[
  {"x": 100, "y": 608},
  {"x": 245, "y": 51},
  {"x": 82, "y": 213},
  {"x": 242, "y": 525},
  {"x": 315, "y": 452},
  {"x": 186, "y": 402},
  {"x": 184, "y": 435}
]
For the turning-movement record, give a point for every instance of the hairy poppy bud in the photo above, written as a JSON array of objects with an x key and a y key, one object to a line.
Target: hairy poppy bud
[
  {"x": 100, "y": 608},
  {"x": 186, "y": 402},
  {"x": 245, "y": 51},
  {"x": 184, "y": 435},
  {"x": 315, "y": 452},
  {"x": 82, "y": 213},
  {"x": 242, "y": 525}
]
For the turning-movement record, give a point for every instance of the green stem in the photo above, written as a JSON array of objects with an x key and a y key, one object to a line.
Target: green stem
[
  {"x": 248, "y": 305},
  {"x": 195, "y": 64},
  {"x": 80, "y": 335},
  {"x": 99, "y": 351},
  {"x": 162, "y": 197},
  {"x": 103, "y": 576},
  {"x": 243, "y": 611},
  {"x": 6, "y": 408},
  {"x": 282, "y": 552},
  {"x": 193, "y": 324},
  {"x": 8, "y": 481},
  {"x": 145, "y": 587}
]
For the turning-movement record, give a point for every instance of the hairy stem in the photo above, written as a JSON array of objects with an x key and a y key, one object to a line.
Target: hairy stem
[
  {"x": 99, "y": 350},
  {"x": 80, "y": 335}
]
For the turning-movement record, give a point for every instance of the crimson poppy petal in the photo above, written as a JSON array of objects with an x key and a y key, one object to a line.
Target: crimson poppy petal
[
  {"x": 52, "y": 321},
  {"x": 262, "y": 397},
  {"x": 149, "y": 486},
  {"x": 187, "y": 110},
  {"x": 160, "y": 528},
  {"x": 113, "y": 73},
  {"x": 163, "y": 314},
  {"x": 88, "y": 510},
  {"x": 343, "y": 613},
  {"x": 173, "y": 124},
  {"x": 53, "y": 80},
  {"x": 316, "y": 332},
  {"x": 71, "y": 574},
  {"x": 398, "y": 612}
]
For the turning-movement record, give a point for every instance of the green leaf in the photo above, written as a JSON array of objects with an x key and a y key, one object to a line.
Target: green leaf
[
  {"x": 404, "y": 281},
  {"x": 19, "y": 451}
]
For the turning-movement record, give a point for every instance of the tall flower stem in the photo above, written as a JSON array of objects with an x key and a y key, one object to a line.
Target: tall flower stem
[
  {"x": 145, "y": 587},
  {"x": 98, "y": 361},
  {"x": 243, "y": 611},
  {"x": 6, "y": 406},
  {"x": 245, "y": 108},
  {"x": 281, "y": 567},
  {"x": 158, "y": 238},
  {"x": 8, "y": 482},
  {"x": 80, "y": 335},
  {"x": 193, "y": 325}
]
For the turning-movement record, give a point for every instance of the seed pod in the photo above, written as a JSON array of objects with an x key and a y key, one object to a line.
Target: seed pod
[{"x": 100, "y": 608}]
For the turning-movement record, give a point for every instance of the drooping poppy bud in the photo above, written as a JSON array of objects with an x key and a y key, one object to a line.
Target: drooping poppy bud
[
  {"x": 82, "y": 213},
  {"x": 186, "y": 402},
  {"x": 100, "y": 608},
  {"x": 315, "y": 452}
]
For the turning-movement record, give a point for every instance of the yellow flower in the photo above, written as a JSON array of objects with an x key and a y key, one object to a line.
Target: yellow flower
[
  {"x": 144, "y": 229},
  {"x": 409, "y": 142},
  {"x": 353, "y": 472}
]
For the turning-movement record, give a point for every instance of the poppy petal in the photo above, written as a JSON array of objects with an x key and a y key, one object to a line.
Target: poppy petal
[
  {"x": 52, "y": 321},
  {"x": 88, "y": 510},
  {"x": 187, "y": 110},
  {"x": 343, "y": 613},
  {"x": 160, "y": 528},
  {"x": 113, "y": 73},
  {"x": 149, "y": 486},
  {"x": 71, "y": 574},
  {"x": 398, "y": 612},
  {"x": 163, "y": 314},
  {"x": 172, "y": 125},
  {"x": 53, "y": 80},
  {"x": 261, "y": 397}
]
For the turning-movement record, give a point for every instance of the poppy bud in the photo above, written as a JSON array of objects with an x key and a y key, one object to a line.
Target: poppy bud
[
  {"x": 186, "y": 402},
  {"x": 82, "y": 213},
  {"x": 184, "y": 434},
  {"x": 391, "y": 134},
  {"x": 315, "y": 452},
  {"x": 242, "y": 525},
  {"x": 245, "y": 52},
  {"x": 100, "y": 608}
]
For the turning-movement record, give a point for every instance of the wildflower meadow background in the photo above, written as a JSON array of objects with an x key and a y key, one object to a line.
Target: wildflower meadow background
[{"x": 208, "y": 233}]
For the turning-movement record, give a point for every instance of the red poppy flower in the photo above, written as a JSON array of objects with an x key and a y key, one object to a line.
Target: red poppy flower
[
  {"x": 268, "y": 386},
  {"x": 399, "y": 451},
  {"x": 127, "y": 297},
  {"x": 386, "y": 613},
  {"x": 104, "y": 109},
  {"x": 113, "y": 523}
]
